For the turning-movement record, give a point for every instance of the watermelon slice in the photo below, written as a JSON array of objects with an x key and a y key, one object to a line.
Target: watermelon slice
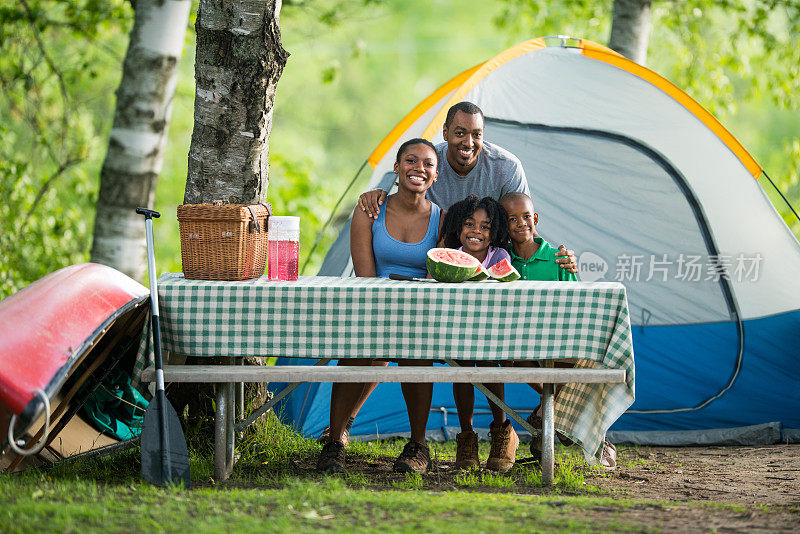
[
  {"x": 450, "y": 265},
  {"x": 482, "y": 274},
  {"x": 503, "y": 271}
]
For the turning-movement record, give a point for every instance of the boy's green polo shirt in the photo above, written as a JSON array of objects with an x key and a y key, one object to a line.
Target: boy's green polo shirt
[{"x": 542, "y": 265}]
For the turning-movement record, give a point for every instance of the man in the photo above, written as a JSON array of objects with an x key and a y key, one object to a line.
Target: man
[{"x": 466, "y": 165}]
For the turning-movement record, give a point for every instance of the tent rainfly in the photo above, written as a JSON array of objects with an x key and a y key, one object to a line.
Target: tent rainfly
[{"x": 651, "y": 190}]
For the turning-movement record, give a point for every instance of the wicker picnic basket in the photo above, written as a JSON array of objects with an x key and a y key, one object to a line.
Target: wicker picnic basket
[{"x": 223, "y": 241}]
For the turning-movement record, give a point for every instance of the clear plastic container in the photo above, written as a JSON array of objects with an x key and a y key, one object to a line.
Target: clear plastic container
[{"x": 283, "y": 253}]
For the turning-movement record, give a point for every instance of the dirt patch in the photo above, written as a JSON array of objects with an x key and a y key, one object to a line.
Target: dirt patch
[
  {"x": 768, "y": 475},
  {"x": 724, "y": 489}
]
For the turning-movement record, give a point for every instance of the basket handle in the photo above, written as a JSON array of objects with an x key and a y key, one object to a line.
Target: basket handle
[{"x": 254, "y": 226}]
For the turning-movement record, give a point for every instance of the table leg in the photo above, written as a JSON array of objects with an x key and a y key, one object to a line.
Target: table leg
[
  {"x": 223, "y": 432},
  {"x": 240, "y": 400},
  {"x": 231, "y": 419},
  {"x": 548, "y": 434}
]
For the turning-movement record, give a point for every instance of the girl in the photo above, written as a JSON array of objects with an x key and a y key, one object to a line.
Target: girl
[{"x": 479, "y": 227}]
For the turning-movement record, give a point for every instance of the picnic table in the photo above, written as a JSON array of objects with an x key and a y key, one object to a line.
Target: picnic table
[{"x": 338, "y": 318}]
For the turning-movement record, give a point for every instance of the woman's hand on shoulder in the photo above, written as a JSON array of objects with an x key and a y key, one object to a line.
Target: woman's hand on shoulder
[{"x": 369, "y": 203}]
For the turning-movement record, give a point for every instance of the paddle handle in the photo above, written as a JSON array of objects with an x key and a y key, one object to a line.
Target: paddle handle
[
  {"x": 148, "y": 213},
  {"x": 151, "y": 276}
]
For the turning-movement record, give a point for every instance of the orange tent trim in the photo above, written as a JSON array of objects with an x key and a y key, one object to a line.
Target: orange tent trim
[
  {"x": 416, "y": 113},
  {"x": 606, "y": 55}
]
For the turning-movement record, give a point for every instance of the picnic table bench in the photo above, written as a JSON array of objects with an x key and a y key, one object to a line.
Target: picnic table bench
[{"x": 337, "y": 318}]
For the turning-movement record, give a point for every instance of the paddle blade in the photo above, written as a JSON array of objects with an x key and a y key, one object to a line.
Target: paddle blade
[{"x": 156, "y": 458}]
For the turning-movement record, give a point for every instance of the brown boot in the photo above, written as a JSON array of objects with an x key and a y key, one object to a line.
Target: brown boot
[
  {"x": 332, "y": 458},
  {"x": 326, "y": 433},
  {"x": 504, "y": 447},
  {"x": 467, "y": 450},
  {"x": 415, "y": 458}
]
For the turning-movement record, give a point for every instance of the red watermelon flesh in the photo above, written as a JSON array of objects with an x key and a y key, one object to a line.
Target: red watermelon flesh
[
  {"x": 503, "y": 271},
  {"x": 482, "y": 274},
  {"x": 456, "y": 257},
  {"x": 450, "y": 265}
]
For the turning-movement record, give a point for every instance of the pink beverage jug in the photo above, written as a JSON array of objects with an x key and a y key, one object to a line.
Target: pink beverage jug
[{"x": 283, "y": 253}]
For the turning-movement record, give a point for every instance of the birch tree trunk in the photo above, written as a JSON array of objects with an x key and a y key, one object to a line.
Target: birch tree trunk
[
  {"x": 136, "y": 144},
  {"x": 239, "y": 61},
  {"x": 630, "y": 29}
]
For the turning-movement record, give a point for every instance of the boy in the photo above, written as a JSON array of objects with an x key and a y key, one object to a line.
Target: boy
[
  {"x": 535, "y": 259},
  {"x": 531, "y": 255}
]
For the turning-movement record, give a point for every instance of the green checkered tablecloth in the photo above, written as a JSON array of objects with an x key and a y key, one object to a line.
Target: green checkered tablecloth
[{"x": 330, "y": 317}]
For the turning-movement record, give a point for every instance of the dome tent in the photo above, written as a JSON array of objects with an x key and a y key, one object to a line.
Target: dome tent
[{"x": 648, "y": 189}]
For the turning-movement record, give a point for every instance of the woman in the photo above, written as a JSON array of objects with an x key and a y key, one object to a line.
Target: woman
[{"x": 396, "y": 242}]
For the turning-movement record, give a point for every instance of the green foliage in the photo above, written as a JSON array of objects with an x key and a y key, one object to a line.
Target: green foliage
[
  {"x": 726, "y": 52},
  {"x": 53, "y": 130},
  {"x": 717, "y": 51},
  {"x": 299, "y": 191},
  {"x": 357, "y": 67},
  {"x": 39, "y": 233},
  {"x": 578, "y": 18}
]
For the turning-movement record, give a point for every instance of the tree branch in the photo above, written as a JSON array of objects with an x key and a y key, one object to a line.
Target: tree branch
[
  {"x": 42, "y": 190},
  {"x": 61, "y": 83}
]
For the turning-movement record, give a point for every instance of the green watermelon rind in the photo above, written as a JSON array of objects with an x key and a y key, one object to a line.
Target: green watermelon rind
[
  {"x": 481, "y": 275},
  {"x": 444, "y": 272},
  {"x": 510, "y": 276}
]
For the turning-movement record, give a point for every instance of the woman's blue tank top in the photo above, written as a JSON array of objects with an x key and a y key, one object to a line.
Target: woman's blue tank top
[{"x": 396, "y": 257}]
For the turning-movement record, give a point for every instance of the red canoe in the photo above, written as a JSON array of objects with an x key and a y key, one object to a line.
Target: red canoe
[{"x": 58, "y": 330}]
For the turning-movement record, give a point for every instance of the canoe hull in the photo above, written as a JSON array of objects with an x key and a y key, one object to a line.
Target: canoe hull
[{"x": 51, "y": 326}]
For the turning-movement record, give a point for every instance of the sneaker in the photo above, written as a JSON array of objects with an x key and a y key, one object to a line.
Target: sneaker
[
  {"x": 331, "y": 459},
  {"x": 504, "y": 447},
  {"x": 467, "y": 450},
  {"x": 608, "y": 459},
  {"x": 535, "y": 421},
  {"x": 326, "y": 433},
  {"x": 415, "y": 458}
]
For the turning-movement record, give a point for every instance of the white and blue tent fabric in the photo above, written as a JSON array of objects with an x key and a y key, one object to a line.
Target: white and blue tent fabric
[{"x": 650, "y": 190}]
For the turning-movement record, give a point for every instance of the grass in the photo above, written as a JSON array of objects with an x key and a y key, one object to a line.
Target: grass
[
  {"x": 412, "y": 481},
  {"x": 488, "y": 479},
  {"x": 269, "y": 492},
  {"x": 91, "y": 497},
  {"x": 299, "y": 506}
]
